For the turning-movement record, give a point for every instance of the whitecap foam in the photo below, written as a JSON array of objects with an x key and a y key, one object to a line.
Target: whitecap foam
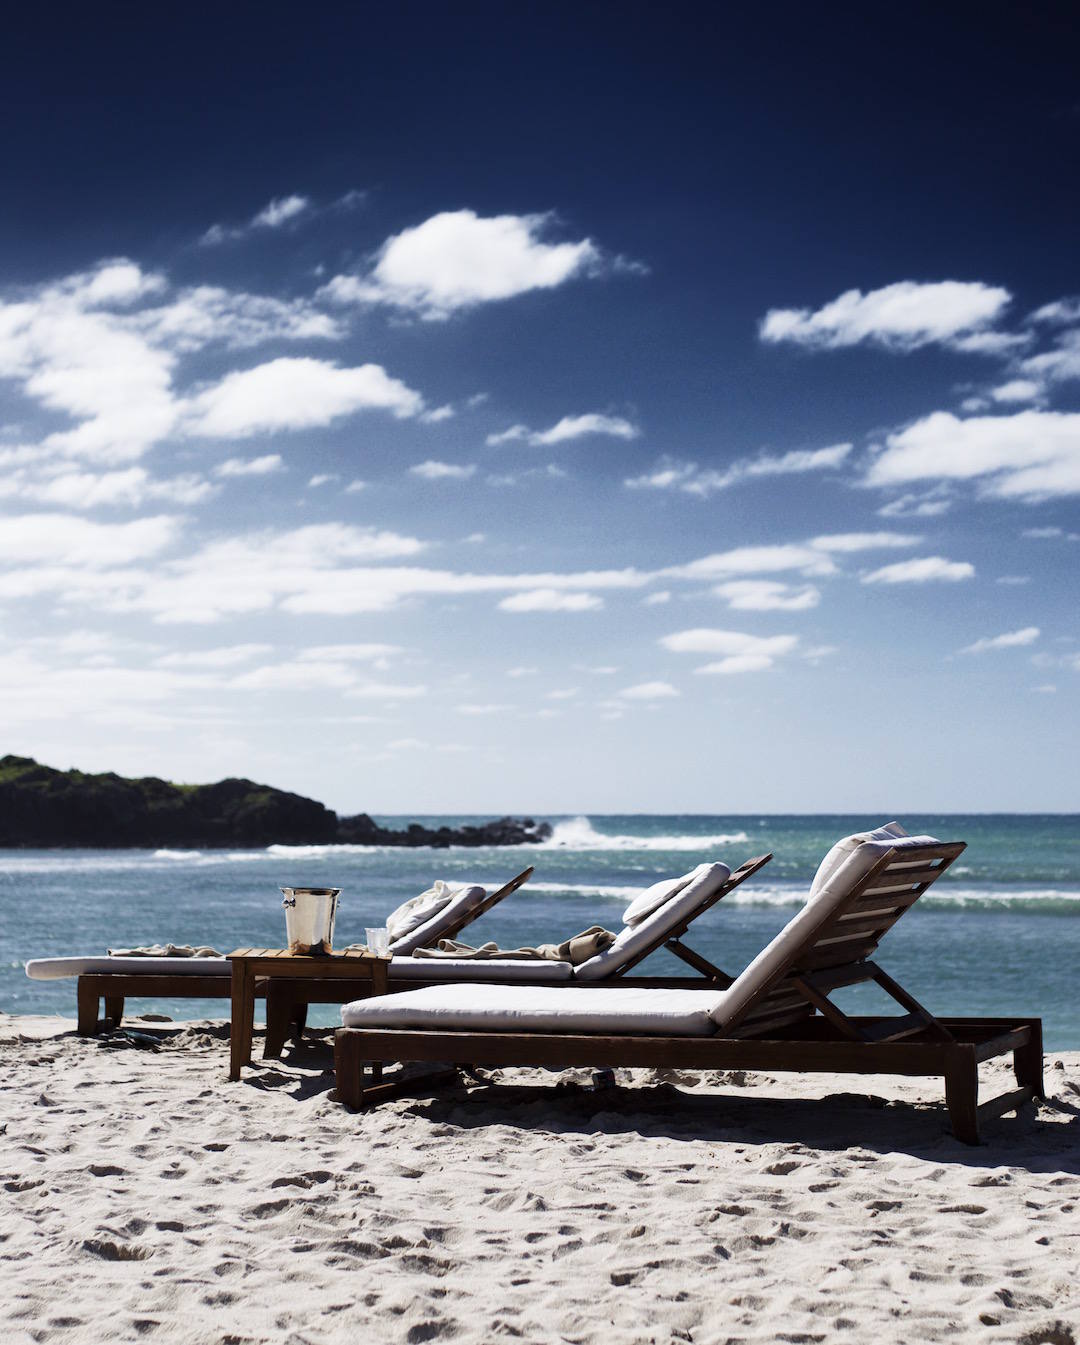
[
  {"x": 578, "y": 833},
  {"x": 177, "y": 854}
]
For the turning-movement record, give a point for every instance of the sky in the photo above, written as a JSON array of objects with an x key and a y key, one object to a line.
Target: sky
[{"x": 545, "y": 408}]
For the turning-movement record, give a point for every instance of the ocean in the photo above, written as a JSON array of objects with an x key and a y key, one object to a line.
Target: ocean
[{"x": 999, "y": 934}]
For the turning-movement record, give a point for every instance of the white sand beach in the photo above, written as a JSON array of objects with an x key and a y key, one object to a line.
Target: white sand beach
[{"x": 146, "y": 1198}]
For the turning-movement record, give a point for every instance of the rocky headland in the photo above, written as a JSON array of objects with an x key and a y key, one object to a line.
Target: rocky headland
[{"x": 41, "y": 807}]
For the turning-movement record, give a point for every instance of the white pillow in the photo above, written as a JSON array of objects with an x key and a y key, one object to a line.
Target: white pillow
[
  {"x": 418, "y": 911},
  {"x": 654, "y": 897},
  {"x": 842, "y": 849}
]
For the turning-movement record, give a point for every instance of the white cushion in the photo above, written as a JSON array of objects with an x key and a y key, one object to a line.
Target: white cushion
[
  {"x": 417, "y": 911},
  {"x": 56, "y": 968},
  {"x": 653, "y": 897},
  {"x": 479, "y": 969},
  {"x": 501, "y": 1008},
  {"x": 802, "y": 928},
  {"x": 654, "y": 929},
  {"x": 441, "y": 918},
  {"x": 842, "y": 849}
]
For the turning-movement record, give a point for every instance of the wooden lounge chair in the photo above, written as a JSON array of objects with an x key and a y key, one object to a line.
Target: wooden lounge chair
[
  {"x": 114, "y": 979},
  {"x": 777, "y": 1015},
  {"x": 664, "y": 927}
]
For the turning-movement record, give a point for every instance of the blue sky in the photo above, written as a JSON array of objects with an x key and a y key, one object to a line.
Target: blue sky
[{"x": 555, "y": 409}]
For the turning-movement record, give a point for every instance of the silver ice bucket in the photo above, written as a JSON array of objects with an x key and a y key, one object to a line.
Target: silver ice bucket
[{"x": 309, "y": 919}]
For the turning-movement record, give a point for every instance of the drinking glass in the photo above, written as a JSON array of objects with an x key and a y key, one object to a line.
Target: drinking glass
[{"x": 378, "y": 941}]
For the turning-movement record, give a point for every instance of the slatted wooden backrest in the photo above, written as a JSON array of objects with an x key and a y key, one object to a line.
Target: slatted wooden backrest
[
  {"x": 847, "y": 936},
  {"x": 666, "y": 935},
  {"x": 454, "y": 928}
]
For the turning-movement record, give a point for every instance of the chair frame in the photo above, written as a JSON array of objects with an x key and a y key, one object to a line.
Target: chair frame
[{"x": 788, "y": 1024}]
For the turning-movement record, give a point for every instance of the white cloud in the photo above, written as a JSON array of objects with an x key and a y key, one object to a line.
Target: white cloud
[
  {"x": 443, "y": 471},
  {"x": 349, "y": 653},
  {"x": 223, "y": 656},
  {"x": 1060, "y": 312},
  {"x": 567, "y": 429},
  {"x": 1012, "y": 639},
  {"x": 1016, "y": 390},
  {"x": 438, "y": 414},
  {"x": 457, "y": 259},
  {"x": 278, "y": 212},
  {"x": 902, "y": 316},
  {"x": 927, "y": 569},
  {"x": 67, "y": 540},
  {"x": 649, "y": 691},
  {"x": 1028, "y": 455},
  {"x": 849, "y": 542},
  {"x": 563, "y": 694},
  {"x": 658, "y": 598},
  {"x": 386, "y": 691},
  {"x": 270, "y": 462},
  {"x": 296, "y": 393},
  {"x": 739, "y": 652},
  {"x": 803, "y": 558},
  {"x": 1042, "y": 534},
  {"x": 92, "y": 490},
  {"x": 767, "y": 595},
  {"x": 1058, "y": 365},
  {"x": 355, "y": 487},
  {"x": 522, "y": 672},
  {"x": 477, "y": 711},
  {"x": 670, "y": 474},
  {"x": 322, "y": 479},
  {"x": 550, "y": 600},
  {"x": 925, "y": 504}
]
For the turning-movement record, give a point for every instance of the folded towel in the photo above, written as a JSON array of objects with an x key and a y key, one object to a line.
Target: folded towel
[
  {"x": 165, "y": 950},
  {"x": 580, "y": 948}
]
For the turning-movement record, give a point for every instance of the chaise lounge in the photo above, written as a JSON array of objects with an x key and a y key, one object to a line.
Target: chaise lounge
[
  {"x": 776, "y": 1015},
  {"x": 113, "y": 979}
]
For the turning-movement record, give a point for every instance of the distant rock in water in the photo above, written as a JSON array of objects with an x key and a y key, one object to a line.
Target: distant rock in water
[
  {"x": 361, "y": 830},
  {"x": 41, "y": 808}
]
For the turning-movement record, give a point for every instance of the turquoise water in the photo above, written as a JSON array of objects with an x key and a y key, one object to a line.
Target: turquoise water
[{"x": 1000, "y": 933}]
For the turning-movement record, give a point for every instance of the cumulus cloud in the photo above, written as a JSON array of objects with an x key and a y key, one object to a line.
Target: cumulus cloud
[
  {"x": 810, "y": 559},
  {"x": 262, "y": 466},
  {"x": 66, "y": 540},
  {"x": 1012, "y": 639},
  {"x": 1016, "y": 390},
  {"x": 296, "y": 393},
  {"x": 566, "y": 429},
  {"x": 739, "y": 652},
  {"x": 925, "y": 570},
  {"x": 273, "y": 215},
  {"x": 129, "y": 486},
  {"x": 649, "y": 691},
  {"x": 1028, "y": 455},
  {"x": 670, "y": 474},
  {"x": 550, "y": 600},
  {"x": 902, "y": 316},
  {"x": 443, "y": 471},
  {"x": 767, "y": 595},
  {"x": 918, "y": 504},
  {"x": 221, "y": 656},
  {"x": 458, "y": 259}
]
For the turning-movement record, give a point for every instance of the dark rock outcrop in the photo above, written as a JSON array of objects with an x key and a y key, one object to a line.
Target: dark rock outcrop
[
  {"x": 361, "y": 830},
  {"x": 41, "y": 808}
]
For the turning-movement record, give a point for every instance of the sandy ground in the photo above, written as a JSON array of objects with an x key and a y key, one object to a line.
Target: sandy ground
[{"x": 146, "y": 1198}]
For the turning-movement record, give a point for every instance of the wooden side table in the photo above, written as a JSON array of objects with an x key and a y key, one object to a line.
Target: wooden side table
[{"x": 251, "y": 964}]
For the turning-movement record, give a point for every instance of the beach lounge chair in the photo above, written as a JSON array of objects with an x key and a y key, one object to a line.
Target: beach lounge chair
[
  {"x": 659, "y": 917},
  {"x": 776, "y": 1015},
  {"x": 113, "y": 979}
]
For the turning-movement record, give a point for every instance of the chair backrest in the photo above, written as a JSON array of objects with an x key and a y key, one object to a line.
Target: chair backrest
[
  {"x": 466, "y": 907},
  {"x": 705, "y": 888},
  {"x": 839, "y": 928}
]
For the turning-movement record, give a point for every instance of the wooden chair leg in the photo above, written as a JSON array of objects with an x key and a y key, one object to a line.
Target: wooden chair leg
[
  {"x": 87, "y": 1000},
  {"x": 114, "y": 1008},
  {"x": 278, "y": 1017},
  {"x": 349, "y": 1069},
  {"x": 1028, "y": 1062},
  {"x": 299, "y": 1020},
  {"x": 962, "y": 1094}
]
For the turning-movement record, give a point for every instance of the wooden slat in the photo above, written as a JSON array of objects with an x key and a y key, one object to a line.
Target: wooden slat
[{"x": 1007, "y": 1102}]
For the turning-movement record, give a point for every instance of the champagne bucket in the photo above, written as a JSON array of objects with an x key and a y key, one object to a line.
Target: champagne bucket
[{"x": 309, "y": 919}]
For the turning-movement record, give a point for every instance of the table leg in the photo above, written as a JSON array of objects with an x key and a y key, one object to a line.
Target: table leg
[{"x": 238, "y": 1055}]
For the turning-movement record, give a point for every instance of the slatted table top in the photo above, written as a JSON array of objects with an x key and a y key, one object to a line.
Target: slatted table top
[{"x": 309, "y": 961}]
